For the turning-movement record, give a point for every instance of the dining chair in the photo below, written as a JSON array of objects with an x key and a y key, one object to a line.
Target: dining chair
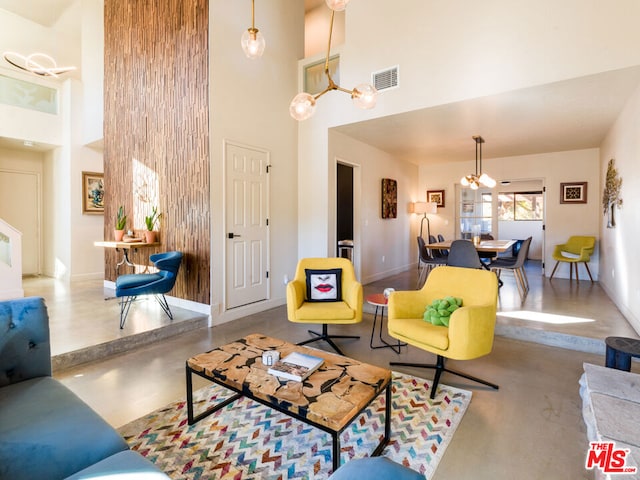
[
  {"x": 517, "y": 267},
  {"x": 440, "y": 240},
  {"x": 426, "y": 262},
  {"x": 487, "y": 257},
  {"x": 463, "y": 254}
]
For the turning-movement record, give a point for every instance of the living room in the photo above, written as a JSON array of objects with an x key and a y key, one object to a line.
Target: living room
[{"x": 301, "y": 208}]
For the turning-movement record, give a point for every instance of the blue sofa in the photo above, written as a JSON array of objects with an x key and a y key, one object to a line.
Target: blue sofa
[{"x": 46, "y": 431}]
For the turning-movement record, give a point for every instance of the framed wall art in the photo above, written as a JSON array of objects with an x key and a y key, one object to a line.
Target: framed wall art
[
  {"x": 389, "y": 198},
  {"x": 573, "y": 192},
  {"x": 92, "y": 193},
  {"x": 436, "y": 196}
]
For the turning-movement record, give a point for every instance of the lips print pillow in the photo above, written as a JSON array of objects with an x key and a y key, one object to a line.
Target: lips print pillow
[{"x": 324, "y": 285}]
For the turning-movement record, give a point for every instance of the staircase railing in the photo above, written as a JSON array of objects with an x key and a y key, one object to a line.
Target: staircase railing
[{"x": 10, "y": 262}]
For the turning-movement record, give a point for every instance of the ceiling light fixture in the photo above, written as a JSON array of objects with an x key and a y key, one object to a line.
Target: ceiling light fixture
[
  {"x": 478, "y": 179},
  {"x": 36, "y": 63},
  {"x": 364, "y": 95},
  {"x": 252, "y": 40}
]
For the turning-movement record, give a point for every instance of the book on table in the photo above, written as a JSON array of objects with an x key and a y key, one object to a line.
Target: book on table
[{"x": 296, "y": 366}]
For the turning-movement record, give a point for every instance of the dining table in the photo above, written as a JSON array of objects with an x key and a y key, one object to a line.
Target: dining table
[{"x": 498, "y": 246}]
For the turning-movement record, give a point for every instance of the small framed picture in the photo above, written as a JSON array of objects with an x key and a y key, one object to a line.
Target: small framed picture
[
  {"x": 436, "y": 196},
  {"x": 92, "y": 193},
  {"x": 573, "y": 192}
]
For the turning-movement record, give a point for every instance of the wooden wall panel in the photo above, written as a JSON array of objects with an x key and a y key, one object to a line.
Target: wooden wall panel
[{"x": 156, "y": 130}]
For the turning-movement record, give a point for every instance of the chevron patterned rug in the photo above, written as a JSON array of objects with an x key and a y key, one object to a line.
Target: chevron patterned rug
[{"x": 246, "y": 440}]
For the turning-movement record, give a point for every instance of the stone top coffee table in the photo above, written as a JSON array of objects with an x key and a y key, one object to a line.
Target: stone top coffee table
[{"x": 329, "y": 399}]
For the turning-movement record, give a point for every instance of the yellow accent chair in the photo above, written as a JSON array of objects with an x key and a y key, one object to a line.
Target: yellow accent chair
[
  {"x": 580, "y": 249},
  {"x": 347, "y": 309},
  {"x": 471, "y": 327}
]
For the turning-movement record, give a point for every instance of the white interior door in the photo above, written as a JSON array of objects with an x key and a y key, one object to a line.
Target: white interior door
[
  {"x": 20, "y": 207},
  {"x": 247, "y": 225}
]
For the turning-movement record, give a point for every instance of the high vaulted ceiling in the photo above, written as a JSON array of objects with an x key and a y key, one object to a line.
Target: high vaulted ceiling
[
  {"x": 44, "y": 12},
  {"x": 569, "y": 115}
]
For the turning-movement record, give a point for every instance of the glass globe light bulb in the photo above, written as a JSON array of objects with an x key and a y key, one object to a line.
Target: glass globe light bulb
[
  {"x": 365, "y": 96},
  {"x": 487, "y": 180},
  {"x": 253, "y": 43},
  {"x": 474, "y": 185},
  {"x": 302, "y": 106},
  {"x": 337, "y": 5},
  {"x": 464, "y": 181}
]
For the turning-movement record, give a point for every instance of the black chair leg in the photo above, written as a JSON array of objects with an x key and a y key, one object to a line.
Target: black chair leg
[
  {"x": 327, "y": 338},
  {"x": 439, "y": 367},
  {"x": 165, "y": 305},
  {"x": 125, "y": 304}
]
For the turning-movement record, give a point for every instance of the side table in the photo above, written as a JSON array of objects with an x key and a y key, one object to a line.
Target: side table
[
  {"x": 619, "y": 352},
  {"x": 380, "y": 302}
]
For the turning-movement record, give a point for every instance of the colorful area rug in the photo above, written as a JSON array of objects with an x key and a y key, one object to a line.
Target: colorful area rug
[{"x": 246, "y": 440}]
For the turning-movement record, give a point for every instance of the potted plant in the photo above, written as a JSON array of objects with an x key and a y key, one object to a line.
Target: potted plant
[
  {"x": 121, "y": 223},
  {"x": 150, "y": 221}
]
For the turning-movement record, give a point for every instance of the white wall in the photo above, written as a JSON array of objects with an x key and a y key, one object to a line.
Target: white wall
[
  {"x": 449, "y": 52},
  {"x": 250, "y": 106},
  {"x": 69, "y": 235},
  {"x": 619, "y": 246},
  {"x": 562, "y": 220},
  {"x": 92, "y": 17},
  {"x": 382, "y": 247}
]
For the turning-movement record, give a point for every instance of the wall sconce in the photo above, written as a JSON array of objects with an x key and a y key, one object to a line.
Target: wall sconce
[
  {"x": 425, "y": 208},
  {"x": 364, "y": 95},
  {"x": 252, "y": 40},
  {"x": 477, "y": 179}
]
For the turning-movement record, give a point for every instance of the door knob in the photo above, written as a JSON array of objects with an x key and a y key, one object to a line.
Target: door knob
[{"x": 233, "y": 235}]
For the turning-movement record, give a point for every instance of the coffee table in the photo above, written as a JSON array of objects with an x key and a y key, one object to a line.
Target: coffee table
[{"x": 329, "y": 399}]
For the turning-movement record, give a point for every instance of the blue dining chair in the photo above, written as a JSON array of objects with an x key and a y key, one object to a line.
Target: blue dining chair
[{"x": 130, "y": 286}]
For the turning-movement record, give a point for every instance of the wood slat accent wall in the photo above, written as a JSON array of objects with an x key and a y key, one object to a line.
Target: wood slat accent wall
[{"x": 156, "y": 130}]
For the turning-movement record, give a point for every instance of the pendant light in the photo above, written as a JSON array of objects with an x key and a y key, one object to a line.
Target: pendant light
[
  {"x": 252, "y": 40},
  {"x": 364, "y": 95},
  {"x": 475, "y": 180}
]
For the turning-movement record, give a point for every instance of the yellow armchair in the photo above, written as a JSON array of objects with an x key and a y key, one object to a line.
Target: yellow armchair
[
  {"x": 581, "y": 248},
  {"x": 346, "y": 311},
  {"x": 471, "y": 327}
]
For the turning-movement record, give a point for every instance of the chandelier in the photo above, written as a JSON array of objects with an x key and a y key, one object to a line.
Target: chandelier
[
  {"x": 37, "y": 63},
  {"x": 475, "y": 180},
  {"x": 252, "y": 40},
  {"x": 364, "y": 95}
]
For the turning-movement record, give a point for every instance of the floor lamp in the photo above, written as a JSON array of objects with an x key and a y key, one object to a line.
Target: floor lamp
[{"x": 425, "y": 208}]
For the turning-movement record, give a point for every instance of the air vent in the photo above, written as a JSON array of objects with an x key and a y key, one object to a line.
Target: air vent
[{"x": 385, "y": 79}]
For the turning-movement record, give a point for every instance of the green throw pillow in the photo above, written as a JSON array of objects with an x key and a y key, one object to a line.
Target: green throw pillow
[{"x": 440, "y": 310}]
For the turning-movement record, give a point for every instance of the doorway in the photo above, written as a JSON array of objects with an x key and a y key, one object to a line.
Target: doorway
[
  {"x": 20, "y": 206},
  {"x": 344, "y": 210}
]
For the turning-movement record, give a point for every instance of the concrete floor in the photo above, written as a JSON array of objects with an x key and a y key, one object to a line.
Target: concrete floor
[{"x": 531, "y": 428}]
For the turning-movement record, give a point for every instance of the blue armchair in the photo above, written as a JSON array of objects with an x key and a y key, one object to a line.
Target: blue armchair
[{"x": 128, "y": 287}]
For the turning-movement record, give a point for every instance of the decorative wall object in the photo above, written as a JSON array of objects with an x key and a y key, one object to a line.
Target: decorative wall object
[
  {"x": 389, "y": 198},
  {"x": 573, "y": 192},
  {"x": 436, "y": 196},
  {"x": 156, "y": 143},
  {"x": 611, "y": 194},
  {"x": 92, "y": 193}
]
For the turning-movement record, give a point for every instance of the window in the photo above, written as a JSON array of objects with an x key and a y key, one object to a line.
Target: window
[
  {"x": 28, "y": 95},
  {"x": 520, "y": 206},
  {"x": 475, "y": 210}
]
